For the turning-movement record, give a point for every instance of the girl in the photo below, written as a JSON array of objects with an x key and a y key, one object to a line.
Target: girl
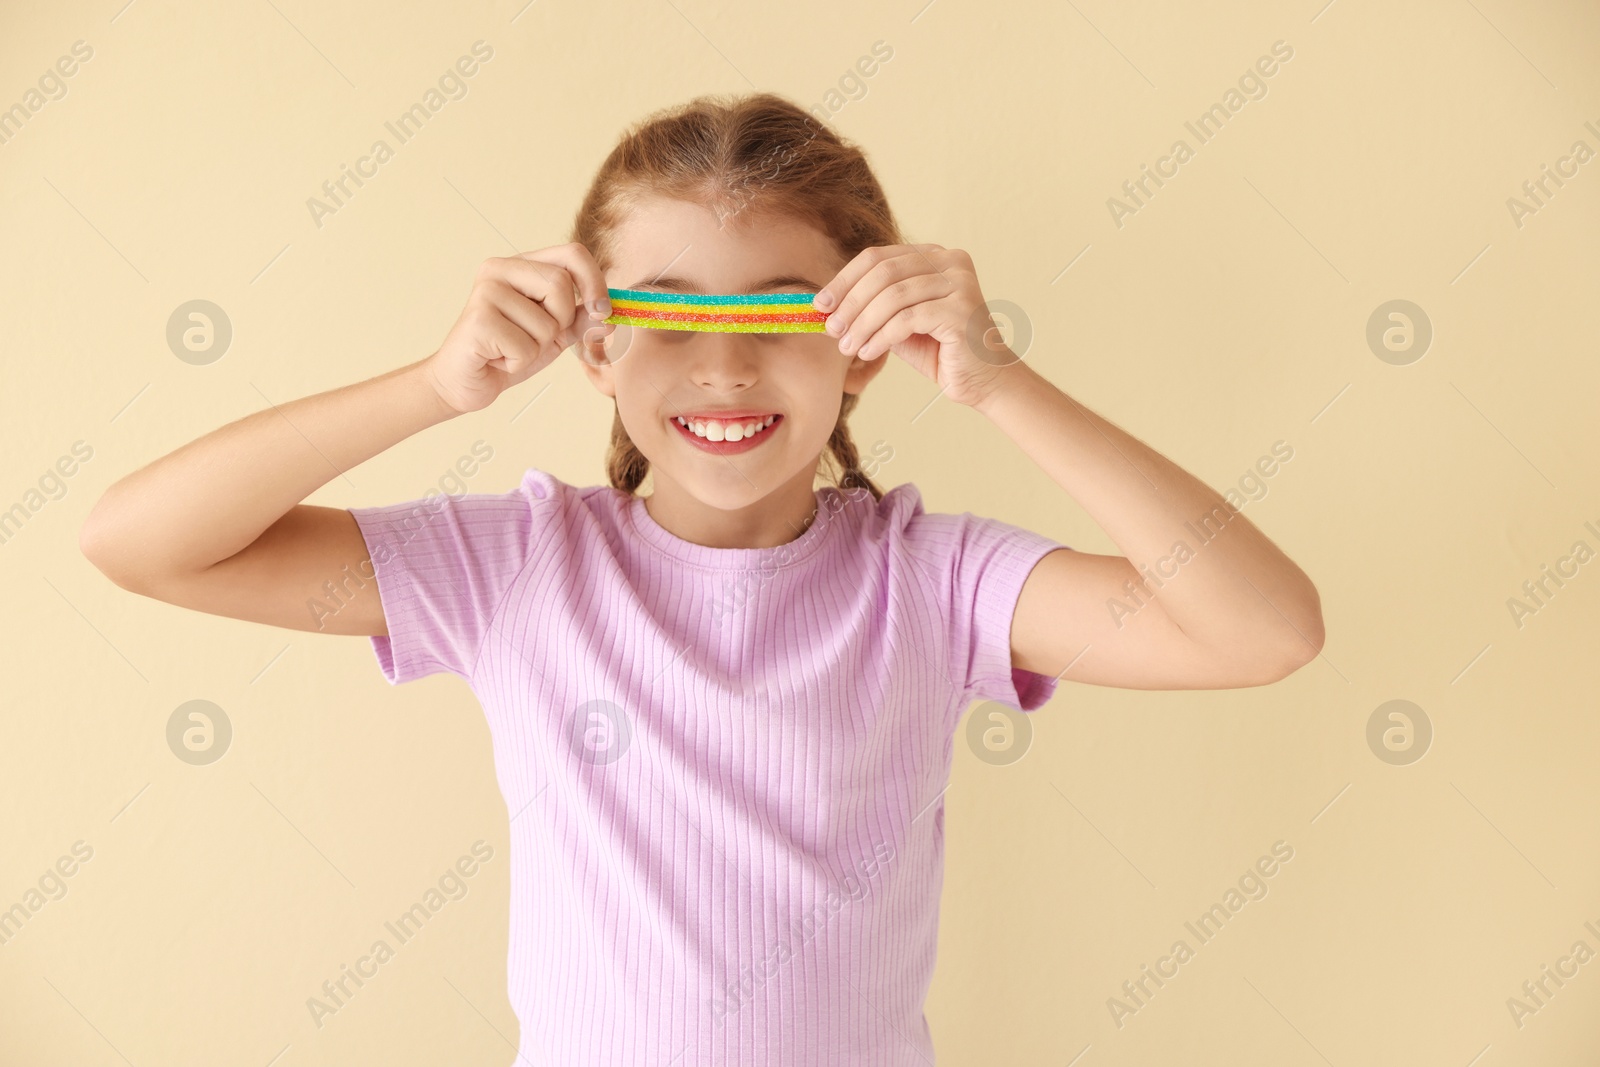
[{"x": 723, "y": 712}]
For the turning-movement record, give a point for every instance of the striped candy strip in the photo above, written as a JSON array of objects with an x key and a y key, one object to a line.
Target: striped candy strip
[{"x": 716, "y": 312}]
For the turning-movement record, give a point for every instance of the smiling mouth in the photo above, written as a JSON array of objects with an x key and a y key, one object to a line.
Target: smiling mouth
[
  {"x": 729, "y": 430},
  {"x": 726, "y": 437}
]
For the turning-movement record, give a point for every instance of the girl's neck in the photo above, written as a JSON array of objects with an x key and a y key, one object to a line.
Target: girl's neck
[{"x": 775, "y": 519}]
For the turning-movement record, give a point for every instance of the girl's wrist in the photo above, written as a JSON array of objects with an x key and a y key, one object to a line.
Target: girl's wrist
[
  {"x": 429, "y": 393},
  {"x": 1012, "y": 381}
]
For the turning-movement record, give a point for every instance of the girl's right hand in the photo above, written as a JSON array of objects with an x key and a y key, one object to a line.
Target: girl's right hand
[{"x": 522, "y": 313}]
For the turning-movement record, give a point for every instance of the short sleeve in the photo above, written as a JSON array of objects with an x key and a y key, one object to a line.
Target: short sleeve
[
  {"x": 444, "y": 564},
  {"x": 985, "y": 563}
]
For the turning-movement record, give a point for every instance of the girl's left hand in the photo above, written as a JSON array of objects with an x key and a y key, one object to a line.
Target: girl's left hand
[{"x": 923, "y": 302}]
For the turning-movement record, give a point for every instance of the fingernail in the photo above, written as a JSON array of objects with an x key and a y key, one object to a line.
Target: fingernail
[{"x": 823, "y": 300}]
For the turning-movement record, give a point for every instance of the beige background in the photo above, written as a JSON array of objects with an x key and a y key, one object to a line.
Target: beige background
[{"x": 1227, "y": 314}]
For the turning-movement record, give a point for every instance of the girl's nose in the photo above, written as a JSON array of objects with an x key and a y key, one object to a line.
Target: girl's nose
[{"x": 723, "y": 360}]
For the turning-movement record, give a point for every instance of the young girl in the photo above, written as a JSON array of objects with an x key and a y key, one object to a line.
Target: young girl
[{"x": 722, "y": 713}]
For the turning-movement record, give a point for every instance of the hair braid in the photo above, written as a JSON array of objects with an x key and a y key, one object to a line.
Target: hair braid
[
  {"x": 625, "y": 464},
  {"x": 843, "y": 448}
]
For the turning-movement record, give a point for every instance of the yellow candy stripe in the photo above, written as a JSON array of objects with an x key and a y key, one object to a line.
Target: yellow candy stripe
[{"x": 714, "y": 326}]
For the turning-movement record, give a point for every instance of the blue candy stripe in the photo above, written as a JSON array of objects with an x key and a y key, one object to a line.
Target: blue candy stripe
[{"x": 648, "y": 296}]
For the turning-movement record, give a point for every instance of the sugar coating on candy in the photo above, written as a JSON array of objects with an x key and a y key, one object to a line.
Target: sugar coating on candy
[{"x": 716, "y": 312}]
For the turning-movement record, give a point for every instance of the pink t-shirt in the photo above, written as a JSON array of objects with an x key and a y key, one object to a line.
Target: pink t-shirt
[{"x": 723, "y": 767}]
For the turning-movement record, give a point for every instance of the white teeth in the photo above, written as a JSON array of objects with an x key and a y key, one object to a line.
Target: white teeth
[{"x": 718, "y": 430}]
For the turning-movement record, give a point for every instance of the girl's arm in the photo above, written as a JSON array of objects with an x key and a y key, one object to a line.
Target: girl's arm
[
  {"x": 1229, "y": 611},
  {"x": 1233, "y": 611},
  {"x": 218, "y": 526}
]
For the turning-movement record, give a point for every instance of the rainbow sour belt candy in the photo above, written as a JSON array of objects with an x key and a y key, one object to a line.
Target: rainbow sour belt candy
[{"x": 716, "y": 312}]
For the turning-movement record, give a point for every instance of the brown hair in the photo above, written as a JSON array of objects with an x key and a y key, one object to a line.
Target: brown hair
[{"x": 760, "y": 151}]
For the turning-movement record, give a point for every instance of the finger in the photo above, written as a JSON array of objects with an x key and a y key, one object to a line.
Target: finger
[
  {"x": 890, "y": 298},
  {"x": 514, "y": 348},
  {"x": 923, "y": 317},
  {"x": 830, "y": 295},
  {"x": 887, "y": 272},
  {"x": 582, "y": 268},
  {"x": 532, "y": 317},
  {"x": 547, "y": 283}
]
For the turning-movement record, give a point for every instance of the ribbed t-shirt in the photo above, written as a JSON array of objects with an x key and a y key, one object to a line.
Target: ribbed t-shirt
[{"x": 724, "y": 767}]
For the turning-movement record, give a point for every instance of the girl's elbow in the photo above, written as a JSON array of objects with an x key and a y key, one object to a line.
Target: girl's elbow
[
  {"x": 104, "y": 546},
  {"x": 97, "y": 546},
  {"x": 1304, "y": 646}
]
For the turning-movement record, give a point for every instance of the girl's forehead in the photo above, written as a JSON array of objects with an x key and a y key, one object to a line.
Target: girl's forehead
[{"x": 686, "y": 239}]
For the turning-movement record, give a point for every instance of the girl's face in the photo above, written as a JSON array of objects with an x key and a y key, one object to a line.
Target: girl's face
[{"x": 659, "y": 377}]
